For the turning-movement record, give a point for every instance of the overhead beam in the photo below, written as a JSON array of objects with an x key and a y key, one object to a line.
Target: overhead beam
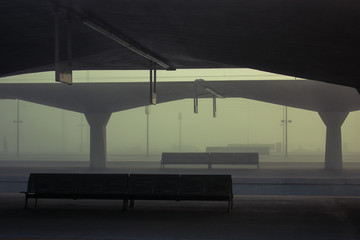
[
  {"x": 116, "y": 36},
  {"x": 125, "y": 42}
]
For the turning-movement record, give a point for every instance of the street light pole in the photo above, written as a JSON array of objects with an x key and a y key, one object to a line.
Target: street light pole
[
  {"x": 147, "y": 112},
  {"x": 17, "y": 121},
  {"x": 285, "y": 122},
  {"x": 18, "y": 130},
  {"x": 180, "y": 117},
  {"x": 286, "y": 133}
]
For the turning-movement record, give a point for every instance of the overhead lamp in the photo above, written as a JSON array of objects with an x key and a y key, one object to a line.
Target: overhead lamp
[{"x": 215, "y": 94}]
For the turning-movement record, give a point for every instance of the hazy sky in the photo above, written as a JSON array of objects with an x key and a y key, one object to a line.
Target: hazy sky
[{"x": 46, "y": 129}]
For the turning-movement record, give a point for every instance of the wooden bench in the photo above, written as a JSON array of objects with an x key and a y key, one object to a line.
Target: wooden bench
[
  {"x": 210, "y": 158},
  {"x": 130, "y": 187}
]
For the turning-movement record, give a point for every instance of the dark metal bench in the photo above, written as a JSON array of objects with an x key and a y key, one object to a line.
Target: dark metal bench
[
  {"x": 76, "y": 186},
  {"x": 180, "y": 188},
  {"x": 210, "y": 158},
  {"x": 207, "y": 187},
  {"x": 130, "y": 187}
]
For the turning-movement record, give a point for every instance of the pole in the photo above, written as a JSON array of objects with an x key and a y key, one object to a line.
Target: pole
[
  {"x": 87, "y": 130},
  {"x": 147, "y": 112},
  {"x": 81, "y": 132},
  {"x": 18, "y": 130},
  {"x": 286, "y": 133},
  {"x": 63, "y": 130},
  {"x": 283, "y": 131},
  {"x": 180, "y": 117},
  {"x": 147, "y": 135}
]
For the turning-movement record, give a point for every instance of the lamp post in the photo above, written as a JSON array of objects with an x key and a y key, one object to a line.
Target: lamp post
[
  {"x": 285, "y": 122},
  {"x": 147, "y": 112},
  {"x": 17, "y": 121},
  {"x": 180, "y": 118}
]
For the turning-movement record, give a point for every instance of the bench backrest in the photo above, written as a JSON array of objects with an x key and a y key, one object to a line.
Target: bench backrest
[
  {"x": 77, "y": 184},
  {"x": 102, "y": 184},
  {"x": 235, "y": 158},
  {"x": 199, "y": 187},
  {"x": 180, "y": 187},
  {"x": 57, "y": 183},
  {"x": 153, "y": 185},
  {"x": 210, "y": 157},
  {"x": 185, "y": 158},
  {"x": 137, "y": 186}
]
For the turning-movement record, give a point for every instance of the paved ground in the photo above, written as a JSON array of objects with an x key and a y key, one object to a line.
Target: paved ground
[{"x": 252, "y": 218}]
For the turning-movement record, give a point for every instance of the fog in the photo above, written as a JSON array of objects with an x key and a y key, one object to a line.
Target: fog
[{"x": 47, "y": 130}]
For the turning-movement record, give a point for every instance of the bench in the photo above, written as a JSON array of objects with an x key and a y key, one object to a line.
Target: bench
[
  {"x": 210, "y": 158},
  {"x": 129, "y": 187},
  {"x": 180, "y": 188},
  {"x": 76, "y": 186}
]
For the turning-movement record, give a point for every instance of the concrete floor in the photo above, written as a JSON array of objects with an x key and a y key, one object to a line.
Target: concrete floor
[
  {"x": 301, "y": 179},
  {"x": 253, "y": 217}
]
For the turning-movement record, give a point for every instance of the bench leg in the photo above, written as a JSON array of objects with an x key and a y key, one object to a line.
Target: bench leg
[
  {"x": 37, "y": 202},
  {"x": 125, "y": 204},
  {"x": 26, "y": 201},
  {"x": 230, "y": 205},
  {"x": 132, "y": 203}
]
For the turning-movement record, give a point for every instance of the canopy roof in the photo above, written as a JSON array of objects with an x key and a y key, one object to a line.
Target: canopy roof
[{"x": 317, "y": 40}]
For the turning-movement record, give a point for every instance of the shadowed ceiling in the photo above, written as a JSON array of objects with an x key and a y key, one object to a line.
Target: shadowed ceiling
[{"x": 312, "y": 39}]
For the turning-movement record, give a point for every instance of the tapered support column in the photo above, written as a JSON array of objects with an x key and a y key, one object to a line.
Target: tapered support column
[
  {"x": 97, "y": 122},
  {"x": 333, "y": 148}
]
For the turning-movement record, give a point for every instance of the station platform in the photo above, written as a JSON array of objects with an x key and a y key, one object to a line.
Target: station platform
[
  {"x": 253, "y": 217},
  {"x": 272, "y": 178},
  {"x": 280, "y": 200}
]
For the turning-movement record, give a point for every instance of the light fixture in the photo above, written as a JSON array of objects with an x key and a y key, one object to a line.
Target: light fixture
[{"x": 201, "y": 83}]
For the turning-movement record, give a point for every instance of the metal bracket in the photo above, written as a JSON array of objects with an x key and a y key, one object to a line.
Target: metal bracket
[
  {"x": 63, "y": 71},
  {"x": 201, "y": 83},
  {"x": 152, "y": 83},
  {"x": 196, "y": 100},
  {"x": 214, "y": 106}
]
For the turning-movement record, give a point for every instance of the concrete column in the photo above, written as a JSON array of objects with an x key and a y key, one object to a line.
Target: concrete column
[
  {"x": 333, "y": 148},
  {"x": 97, "y": 122}
]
